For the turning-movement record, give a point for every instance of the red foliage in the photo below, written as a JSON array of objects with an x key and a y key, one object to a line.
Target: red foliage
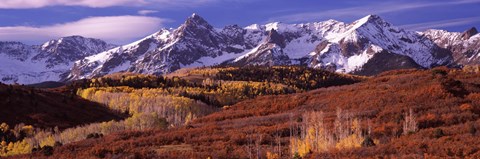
[{"x": 442, "y": 100}]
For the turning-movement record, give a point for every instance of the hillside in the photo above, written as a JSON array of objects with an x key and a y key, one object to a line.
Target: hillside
[
  {"x": 47, "y": 109},
  {"x": 157, "y": 102},
  {"x": 28, "y": 116},
  {"x": 406, "y": 113},
  {"x": 47, "y": 84}
]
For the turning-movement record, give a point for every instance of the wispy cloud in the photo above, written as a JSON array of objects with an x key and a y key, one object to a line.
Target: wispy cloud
[
  {"x": 440, "y": 24},
  {"x": 146, "y": 12},
  {"x": 115, "y": 29},
  {"x": 26, "y": 4},
  {"x": 377, "y": 8}
]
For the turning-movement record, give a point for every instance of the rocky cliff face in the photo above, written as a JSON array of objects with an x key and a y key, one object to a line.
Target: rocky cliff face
[
  {"x": 469, "y": 33},
  {"x": 464, "y": 47}
]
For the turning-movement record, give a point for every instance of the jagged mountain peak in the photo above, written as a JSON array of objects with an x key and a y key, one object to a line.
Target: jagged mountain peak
[
  {"x": 253, "y": 27},
  {"x": 363, "y": 28},
  {"x": 68, "y": 41},
  {"x": 50, "y": 61},
  {"x": 275, "y": 38},
  {"x": 331, "y": 22},
  {"x": 197, "y": 20},
  {"x": 194, "y": 26},
  {"x": 75, "y": 37},
  {"x": 370, "y": 20},
  {"x": 469, "y": 33},
  {"x": 67, "y": 49},
  {"x": 344, "y": 47},
  {"x": 72, "y": 39},
  {"x": 194, "y": 15},
  {"x": 372, "y": 34},
  {"x": 273, "y": 25},
  {"x": 234, "y": 26},
  {"x": 464, "y": 46},
  {"x": 281, "y": 27},
  {"x": 373, "y": 17},
  {"x": 366, "y": 28}
]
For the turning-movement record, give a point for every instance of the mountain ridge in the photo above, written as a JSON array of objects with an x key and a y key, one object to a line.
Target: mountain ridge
[
  {"x": 26, "y": 64},
  {"x": 331, "y": 45}
]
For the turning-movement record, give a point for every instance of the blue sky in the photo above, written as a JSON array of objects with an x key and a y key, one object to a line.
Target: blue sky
[{"x": 124, "y": 21}]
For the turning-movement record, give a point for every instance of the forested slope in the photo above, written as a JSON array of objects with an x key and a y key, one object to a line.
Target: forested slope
[
  {"x": 43, "y": 108},
  {"x": 406, "y": 113},
  {"x": 156, "y": 102}
]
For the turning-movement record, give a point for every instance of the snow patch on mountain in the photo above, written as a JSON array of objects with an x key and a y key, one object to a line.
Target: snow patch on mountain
[
  {"x": 330, "y": 44},
  {"x": 26, "y": 64},
  {"x": 196, "y": 43},
  {"x": 465, "y": 47}
]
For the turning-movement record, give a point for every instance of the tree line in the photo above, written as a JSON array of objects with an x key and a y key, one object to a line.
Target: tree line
[{"x": 304, "y": 78}]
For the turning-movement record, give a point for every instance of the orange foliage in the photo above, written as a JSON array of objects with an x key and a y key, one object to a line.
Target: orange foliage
[{"x": 248, "y": 129}]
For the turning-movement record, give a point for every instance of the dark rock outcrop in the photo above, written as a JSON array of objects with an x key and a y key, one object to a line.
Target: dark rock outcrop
[{"x": 469, "y": 33}]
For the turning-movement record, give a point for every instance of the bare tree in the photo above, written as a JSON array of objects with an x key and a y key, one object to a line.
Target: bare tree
[
  {"x": 249, "y": 146},
  {"x": 258, "y": 145},
  {"x": 293, "y": 135},
  {"x": 278, "y": 143},
  {"x": 410, "y": 124}
]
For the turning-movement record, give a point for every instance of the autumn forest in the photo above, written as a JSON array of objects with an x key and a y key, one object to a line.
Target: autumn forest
[{"x": 248, "y": 112}]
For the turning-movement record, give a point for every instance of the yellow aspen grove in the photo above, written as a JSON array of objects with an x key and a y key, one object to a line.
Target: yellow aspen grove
[{"x": 315, "y": 137}]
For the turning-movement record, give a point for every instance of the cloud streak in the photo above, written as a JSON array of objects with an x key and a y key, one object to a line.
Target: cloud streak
[
  {"x": 27, "y": 4},
  {"x": 378, "y": 8},
  {"x": 440, "y": 24},
  {"x": 115, "y": 29},
  {"x": 146, "y": 12}
]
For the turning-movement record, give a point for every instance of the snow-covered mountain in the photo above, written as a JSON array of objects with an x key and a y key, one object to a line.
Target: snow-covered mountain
[
  {"x": 330, "y": 44},
  {"x": 348, "y": 47},
  {"x": 52, "y": 61},
  {"x": 194, "y": 43},
  {"x": 465, "y": 47},
  {"x": 367, "y": 46}
]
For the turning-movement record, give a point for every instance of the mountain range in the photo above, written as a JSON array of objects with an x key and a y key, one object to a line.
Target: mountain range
[{"x": 367, "y": 46}]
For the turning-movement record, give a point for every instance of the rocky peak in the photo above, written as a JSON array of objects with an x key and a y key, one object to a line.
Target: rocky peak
[
  {"x": 469, "y": 33},
  {"x": 73, "y": 37},
  {"x": 232, "y": 27},
  {"x": 195, "y": 27},
  {"x": 71, "y": 48},
  {"x": 17, "y": 50},
  {"x": 197, "y": 21},
  {"x": 374, "y": 18},
  {"x": 345, "y": 47},
  {"x": 275, "y": 38},
  {"x": 232, "y": 30},
  {"x": 371, "y": 19},
  {"x": 234, "y": 34},
  {"x": 72, "y": 40}
]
